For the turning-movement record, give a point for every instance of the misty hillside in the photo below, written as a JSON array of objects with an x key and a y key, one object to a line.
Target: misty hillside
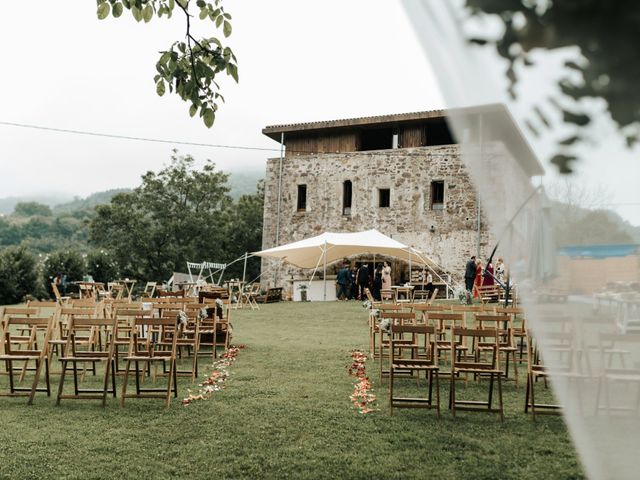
[{"x": 241, "y": 183}]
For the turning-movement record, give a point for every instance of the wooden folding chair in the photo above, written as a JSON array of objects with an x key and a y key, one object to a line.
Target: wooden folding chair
[
  {"x": 476, "y": 366},
  {"x": 374, "y": 328},
  {"x": 150, "y": 354},
  {"x": 149, "y": 290},
  {"x": 444, "y": 323},
  {"x": 23, "y": 336},
  {"x": 59, "y": 298},
  {"x": 82, "y": 352},
  {"x": 418, "y": 361},
  {"x": 397, "y": 318},
  {"x": 536, "y": 370},
  {"x": 251, "y": 295},
  {"x": 504, "y": 325},
  {"x": 34, "y": 347},
  {"x": 519, "y": 326},
  {"x": 125, "y": 314},
  {"x": 186, "y": 338}
]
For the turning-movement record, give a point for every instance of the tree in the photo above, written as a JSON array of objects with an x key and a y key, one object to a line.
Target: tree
[
  {"x": 188, "y": 68},
  {"x": 176, "y": 215},
  {"x": 66, "y": 262},
  {"x": 31, "y": 209},
  {"x": 18, "y": 275},
  {"x": 244, "y": 232},
  {"x": 102, "y": 266},
  {"x": 606, "y": 34}
]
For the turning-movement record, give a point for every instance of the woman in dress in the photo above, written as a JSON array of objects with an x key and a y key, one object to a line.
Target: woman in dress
[
  {"x": 478, "y": 280},
  {"x": 386, "y": 277},
  {"x": 489, "y": 280},
  {"x": 500, "y": 270}
]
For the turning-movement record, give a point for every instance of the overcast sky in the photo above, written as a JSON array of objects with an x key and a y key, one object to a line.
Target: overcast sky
[{"x": 298, "y": 61}]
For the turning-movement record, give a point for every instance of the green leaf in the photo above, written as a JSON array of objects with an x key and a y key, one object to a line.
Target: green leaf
[
  {"x": 160, "y": 88},
  {"x": 147, "y": 13},
  {"x": 192, "y": 110},
  {"x": 233, "y": 71},
  {"x": 227, "y": 29},
  {"x": 137, "y": 14},
  {"x": 219, "y": 21},
  {"x": 103, "y": 10},
  {"x": 203, "y": 14},
  {"x": 117, "y": 10},
  {"x": 208, "y": 117}
]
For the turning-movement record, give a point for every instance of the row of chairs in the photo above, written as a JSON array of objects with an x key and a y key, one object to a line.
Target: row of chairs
[{"x": 122, "y": 336}]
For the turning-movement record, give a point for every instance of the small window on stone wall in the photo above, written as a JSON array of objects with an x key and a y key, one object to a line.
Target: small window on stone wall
[
  {"x": 384, "y": 197},
  {"x": 347, "y": 192},
  {"x": 437, "y": 195},
  {"x": 302, "y": 198}
]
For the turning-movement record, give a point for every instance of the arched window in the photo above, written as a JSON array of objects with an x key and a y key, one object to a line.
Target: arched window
[{"x": 346, "y": 197}]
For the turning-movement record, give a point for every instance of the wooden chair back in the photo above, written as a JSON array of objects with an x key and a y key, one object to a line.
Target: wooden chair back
[{"x": 30, "y": 344}]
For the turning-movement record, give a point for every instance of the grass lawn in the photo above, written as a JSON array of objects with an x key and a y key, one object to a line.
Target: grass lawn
[{"x": 285, "y": 413}]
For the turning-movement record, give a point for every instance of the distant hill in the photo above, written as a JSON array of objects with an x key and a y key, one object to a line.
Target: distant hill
[
  {"x": 7, "y": 204},
  {"x": 98, "y": 198},
  {"x": 241, "y": 183},
  {"x": 244, "y": 183}
]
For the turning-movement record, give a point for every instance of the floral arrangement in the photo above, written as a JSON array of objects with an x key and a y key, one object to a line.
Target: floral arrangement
[
  {"x": 214, "y": 381},
  {"x": 461, "y": 294},
  {"x": 361, "y": 398}
]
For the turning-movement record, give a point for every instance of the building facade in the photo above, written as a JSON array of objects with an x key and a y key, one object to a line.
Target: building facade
[{"x": 400, "y": 174}]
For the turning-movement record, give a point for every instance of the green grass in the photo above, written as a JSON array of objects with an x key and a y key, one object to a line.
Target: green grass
[{"x": 284, "y": 414}]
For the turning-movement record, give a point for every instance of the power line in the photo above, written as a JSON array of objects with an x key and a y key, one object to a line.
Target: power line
[
  {"x": 140, "y": 139},
  {"x": 210, "y": 145}
]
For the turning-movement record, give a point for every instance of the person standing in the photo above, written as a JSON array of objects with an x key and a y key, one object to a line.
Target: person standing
[
  {"x": 470, "y": 274},
  {"x": 353, "y": 293},
  {"x": 377, "y": 282},
  {"x": 363, "y": 281},
  {"x": 500, "y": 270},
  {"x": 344, "y": 282},
  {"x": 386, "y": 277},
  {"x": 478, "y": 280},
  {"x": 429, "y": 287},
  {"x": 488, "y": 279}
]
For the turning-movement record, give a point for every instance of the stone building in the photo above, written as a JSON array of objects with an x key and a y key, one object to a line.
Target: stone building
[{"x": 401, "y": 174}]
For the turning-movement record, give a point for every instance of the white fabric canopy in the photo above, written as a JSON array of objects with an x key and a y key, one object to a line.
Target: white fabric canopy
[{"x": 308, "y": 253}]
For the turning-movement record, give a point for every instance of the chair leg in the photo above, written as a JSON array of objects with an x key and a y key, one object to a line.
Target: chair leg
[
  {"x": 437, "y": 375},
  {"x": 61, "y": 385},
  {"x": 124, "y": 383},
  {"x": 390, "y": 390},
  {"x": 500, "y": 398}
]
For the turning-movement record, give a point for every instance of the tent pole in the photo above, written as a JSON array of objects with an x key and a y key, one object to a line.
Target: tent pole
[
  {"x": 244, "y": 270},
  {"x": 410, "y": 265},
  {"x": 324, "y": 252}
]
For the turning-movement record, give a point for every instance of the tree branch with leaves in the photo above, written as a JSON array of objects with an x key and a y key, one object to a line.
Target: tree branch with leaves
[{"x": 189, "y": 68}]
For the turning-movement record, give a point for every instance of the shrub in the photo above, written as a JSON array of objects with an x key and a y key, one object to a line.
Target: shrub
[
  {"x": 18, "y": 275},
  {"x": 102, "y": 266},
  {"x": 66, "y": 262}
]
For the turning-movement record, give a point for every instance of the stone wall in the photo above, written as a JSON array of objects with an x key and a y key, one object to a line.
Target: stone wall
[{"x": 449, "y": 235}]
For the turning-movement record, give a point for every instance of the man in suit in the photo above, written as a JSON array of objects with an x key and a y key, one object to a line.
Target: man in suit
[
  {"x": 470, "y": 275},
  {"x": 363, "y": 281},
  {"x": 344, "y": 281}
]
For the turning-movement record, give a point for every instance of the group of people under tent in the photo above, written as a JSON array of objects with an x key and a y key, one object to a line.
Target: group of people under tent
[
  {"x": 473, "y": 275},
  {"x": 352, "y": 282}
]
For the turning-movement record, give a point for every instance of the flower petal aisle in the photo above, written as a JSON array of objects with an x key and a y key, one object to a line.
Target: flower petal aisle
[
  {"x": 214, "y": 382},
  {"x": 362, "y": 398}
]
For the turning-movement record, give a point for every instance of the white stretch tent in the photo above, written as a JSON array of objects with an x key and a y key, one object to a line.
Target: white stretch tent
[{"x": 330, "y": 247}]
